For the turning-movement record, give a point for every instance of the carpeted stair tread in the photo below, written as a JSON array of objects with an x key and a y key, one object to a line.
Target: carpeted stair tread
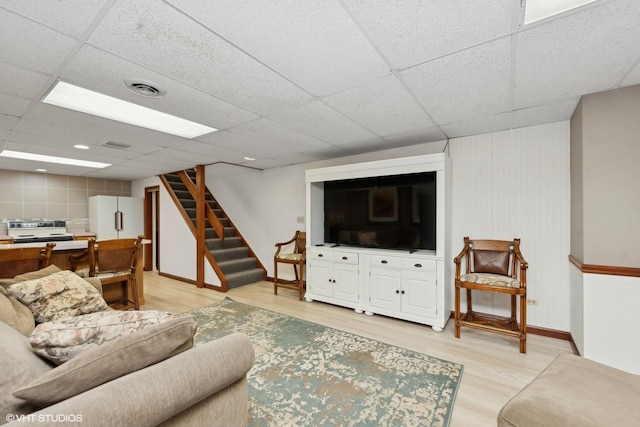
[
  {"x": 219, "y": 244},
  {"x": 237, "y": 265},
  {"x": 244, "y": 278},
  {"x": 221, "y": 255}
]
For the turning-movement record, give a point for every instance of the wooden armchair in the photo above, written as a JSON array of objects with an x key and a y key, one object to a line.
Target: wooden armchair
[
  {"x": 114, "y": 261},
  {"x": 297, "y": 258},
  {"x": 492, "y": 266},
  {"x": 15, "y": 261}
]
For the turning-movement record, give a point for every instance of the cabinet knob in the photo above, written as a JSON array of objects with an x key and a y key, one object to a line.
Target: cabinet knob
[
  {"x": 320, "y": 255},
  {"x": 402, "y": 292},
  {"x": 384, "y": 261},
  {"x": 397, "y": 291},
  {"x": 345, "y": 258},
  {"x": 418, "y": 265}
]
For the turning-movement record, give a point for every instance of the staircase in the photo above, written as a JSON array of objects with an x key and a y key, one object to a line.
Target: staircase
[{"x": 228, "y": 253}]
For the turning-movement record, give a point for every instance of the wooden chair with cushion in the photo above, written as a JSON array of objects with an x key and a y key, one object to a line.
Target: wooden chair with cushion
[
  {"x": 297, "y": 258},
  {"x": 15, "y": 261},
  {"x": 114, "y": 261},
  {"x": 492, "y": 266}
]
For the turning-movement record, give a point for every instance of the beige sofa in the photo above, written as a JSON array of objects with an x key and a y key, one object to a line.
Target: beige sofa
[
  {"x": 574, "y": 391},
  {"x": 200, "y": 386}
]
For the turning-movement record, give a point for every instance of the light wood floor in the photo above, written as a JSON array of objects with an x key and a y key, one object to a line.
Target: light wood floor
[{"x": 494, "y": 370}]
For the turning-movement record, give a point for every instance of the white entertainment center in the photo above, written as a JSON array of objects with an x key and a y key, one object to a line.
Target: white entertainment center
[{"x": 410, "y": 285}]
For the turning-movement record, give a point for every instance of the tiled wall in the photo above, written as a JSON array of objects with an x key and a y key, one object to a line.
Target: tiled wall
[{"x": 29, "y": 195}]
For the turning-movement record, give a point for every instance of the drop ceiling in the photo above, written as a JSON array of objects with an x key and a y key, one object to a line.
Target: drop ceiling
[{"x": 290, "y": 81}]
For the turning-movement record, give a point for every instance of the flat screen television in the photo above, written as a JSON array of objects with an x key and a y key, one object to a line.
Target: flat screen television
[{"x": 389, "y": 212}]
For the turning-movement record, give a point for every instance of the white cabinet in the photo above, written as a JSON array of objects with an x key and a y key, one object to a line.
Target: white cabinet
[
  {"x": 332, "y": 276},
  {"x": 396, "y": 283},
  {"x": 403, "y": 287},
  {"x": 389, "y": 283}
]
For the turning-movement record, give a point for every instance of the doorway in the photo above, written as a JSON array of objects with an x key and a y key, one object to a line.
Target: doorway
[{"x": 151, "y": 225}]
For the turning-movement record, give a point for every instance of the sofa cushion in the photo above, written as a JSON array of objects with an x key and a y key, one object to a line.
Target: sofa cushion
[
  {"x": 38, "y": 274},
  {"x": 15, "y": 314},
  {"x": 58, "y": 295},
  {"x": 19, "y": 367},
  {"x": 574, "y": 391},
  {"x": 111, "y": 360},
  {"x": 61, "y": 340}
]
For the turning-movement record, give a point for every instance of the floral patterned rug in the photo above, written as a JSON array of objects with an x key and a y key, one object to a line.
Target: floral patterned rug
[{"x": 307, "y": 374}]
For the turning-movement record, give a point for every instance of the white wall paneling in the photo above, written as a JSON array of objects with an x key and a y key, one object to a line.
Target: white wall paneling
[
  {"x": 610, "y": 321},
  {"x": 516, "y": 184}
]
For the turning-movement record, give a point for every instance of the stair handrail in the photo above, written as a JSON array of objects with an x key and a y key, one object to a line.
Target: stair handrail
[
  {"x": 215, "y": 222},
  {"x": 224, "y": 283}
]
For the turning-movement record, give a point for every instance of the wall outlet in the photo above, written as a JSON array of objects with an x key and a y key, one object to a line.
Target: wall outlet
[
  {"x": 300, "y": 220},
  {"x": 533, "y": 301}
]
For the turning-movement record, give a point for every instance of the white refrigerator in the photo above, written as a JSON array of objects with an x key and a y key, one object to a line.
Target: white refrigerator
[{"x": 113, "y": 217}]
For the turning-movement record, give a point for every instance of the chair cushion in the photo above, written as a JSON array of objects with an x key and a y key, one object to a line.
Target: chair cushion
[
  {"x": 61, "y": 340},
  {"x": 290, "y": 257},
  {"x": 111, "y": 360},
  {"x": 486, "y": 261},
  {"x": 58, "y": 295},
  {"x": 490, "y": 280}
]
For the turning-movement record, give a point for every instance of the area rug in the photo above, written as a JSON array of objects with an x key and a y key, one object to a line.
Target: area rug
[{"x": 306, "y": 374}]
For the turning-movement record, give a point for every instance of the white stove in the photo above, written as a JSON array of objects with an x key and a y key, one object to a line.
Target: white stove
[{"x": 29, "y": 231}]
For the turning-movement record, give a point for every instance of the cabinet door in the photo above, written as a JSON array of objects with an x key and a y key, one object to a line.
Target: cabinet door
[
  {"x": 419, "y": 293},
  {"x": 320, "y": 278},
  {"x": 346, "y": 282},
  {"x": 384, "y": 288}
]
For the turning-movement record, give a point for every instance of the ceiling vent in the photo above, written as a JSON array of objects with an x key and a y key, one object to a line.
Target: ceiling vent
[
  {"x": 113, "y": 144},
  {"x": 144, "y": 88}
]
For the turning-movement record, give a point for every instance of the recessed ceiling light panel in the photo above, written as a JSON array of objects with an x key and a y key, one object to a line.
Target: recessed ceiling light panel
[
  {"x": 536, "y": 10},
  {"x": 87, "y": 101},
  {"x": 52, "y": 159}
]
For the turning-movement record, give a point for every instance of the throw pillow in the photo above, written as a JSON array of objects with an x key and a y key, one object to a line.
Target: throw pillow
[
  {"x": 58, "y": 295},
  {"x": 111, "y": 360},
  {"x": 61, "y": 340},
  {"x": 14, "y": 314},
  {"x": 43, "y": 272}
]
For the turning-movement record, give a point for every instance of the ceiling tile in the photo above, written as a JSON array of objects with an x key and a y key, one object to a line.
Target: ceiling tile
[
  {"x": 20, "y": 82},
  {"x": 72, "y": 19},
  {"x": 413, "y": 31},
  {"x": 264, "y": 138},
  {"x": 153, "y": 33},
  {"x": 421, "y": 136},
  {"x": 315, "y": 44},
  {"x": 322, "y": 122},
  {"x": 383, "y": 106},
  {"x": 544, "y": 113},
  {"x": 105, "y": 73},
  {"x": 578, "y": 54},
  {"x": 465, "y": 85},
  {"x": 28, "y": 45},
  {"x": 479, "y": 126},
  {"x": 13, "y": 105}
]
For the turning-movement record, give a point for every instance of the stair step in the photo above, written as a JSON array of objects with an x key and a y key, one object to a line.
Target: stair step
[
  {"x": 216, "y": 244},
  {"x": 237, "y": 265},
  {"x": 222, "y": 255},
  {"x": 244, "y": 278}
]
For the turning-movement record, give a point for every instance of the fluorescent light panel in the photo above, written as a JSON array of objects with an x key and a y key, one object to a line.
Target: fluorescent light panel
[
  {"x": 86, "y": 101},
  {"x": 52, "y": 159},
  {"x": 535, "y": 10}
]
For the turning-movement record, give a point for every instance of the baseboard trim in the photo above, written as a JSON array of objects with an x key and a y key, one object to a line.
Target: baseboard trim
[{"x": 189, "y": 281}]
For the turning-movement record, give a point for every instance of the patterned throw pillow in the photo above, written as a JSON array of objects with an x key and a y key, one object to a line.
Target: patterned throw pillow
[
  {"x": 58, "y": 295},
  {"x": 111, "y": 360},
  {"x": 61, "y": 340}
]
